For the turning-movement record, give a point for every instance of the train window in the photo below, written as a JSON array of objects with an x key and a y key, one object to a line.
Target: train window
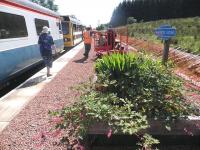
[
  {"x": 79, "y": 28},
  {"x": 59, "y": 26},
  {"x": 65, "y": 27},
  {"x": 74, "y": 28},
  {"x": 39, "y": 24},
  {"x": 12, "y": 26}
]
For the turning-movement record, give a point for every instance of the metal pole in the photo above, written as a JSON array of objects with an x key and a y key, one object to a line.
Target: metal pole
[{"x": 165, "y": 51}]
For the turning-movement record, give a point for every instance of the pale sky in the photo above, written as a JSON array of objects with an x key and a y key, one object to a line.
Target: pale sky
[{"x": 90, "y": 12}]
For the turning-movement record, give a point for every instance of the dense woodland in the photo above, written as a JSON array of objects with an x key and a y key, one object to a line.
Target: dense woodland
[{"x": 149, "y": 10}]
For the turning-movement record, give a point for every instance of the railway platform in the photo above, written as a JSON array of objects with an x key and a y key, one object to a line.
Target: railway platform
[{"x": 24, "y": 111}]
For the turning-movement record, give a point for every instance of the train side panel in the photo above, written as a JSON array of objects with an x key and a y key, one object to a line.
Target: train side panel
[
  {"x": 78, "y": 37},
  {"x": 17, "y": 54}
]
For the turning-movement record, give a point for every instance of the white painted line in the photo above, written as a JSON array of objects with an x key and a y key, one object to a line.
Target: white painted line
[{"x": 3, "y": 125}]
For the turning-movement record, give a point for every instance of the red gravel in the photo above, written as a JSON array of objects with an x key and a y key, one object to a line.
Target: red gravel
[{"x": 24, "y": 128}]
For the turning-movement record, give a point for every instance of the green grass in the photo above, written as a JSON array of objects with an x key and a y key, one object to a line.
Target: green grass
[{"x": 188, "y": 32}]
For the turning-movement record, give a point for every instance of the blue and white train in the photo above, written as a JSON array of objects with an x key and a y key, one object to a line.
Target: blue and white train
[{"x": 21, "y": 22}]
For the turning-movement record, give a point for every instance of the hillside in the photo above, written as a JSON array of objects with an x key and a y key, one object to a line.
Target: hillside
[{"x": 188, "y": 32}]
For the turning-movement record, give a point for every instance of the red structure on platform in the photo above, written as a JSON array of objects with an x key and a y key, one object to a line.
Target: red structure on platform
[{"x": 107, "y": 42}]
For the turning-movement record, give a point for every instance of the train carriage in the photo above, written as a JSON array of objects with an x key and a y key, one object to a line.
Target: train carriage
[
  {"x": 21, "y": 22},
  {"x": 72, "y": 31}
]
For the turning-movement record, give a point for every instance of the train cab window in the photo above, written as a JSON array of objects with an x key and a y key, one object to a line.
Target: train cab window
[
  {"x": 65, "y": 27},
  {"x": 39, "y": 24},
  {"x": 12, "y": 26}
]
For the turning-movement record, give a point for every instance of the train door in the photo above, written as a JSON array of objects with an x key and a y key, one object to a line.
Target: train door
[
  {"x": 74, "y": 33},
  {"x": 60, "y": 30},
  {"x": 66, "y": 33},
  {"x": 59, "y": 37}
]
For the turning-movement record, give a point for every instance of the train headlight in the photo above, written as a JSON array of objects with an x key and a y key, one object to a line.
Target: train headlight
[{"x": 67, "y": 39}]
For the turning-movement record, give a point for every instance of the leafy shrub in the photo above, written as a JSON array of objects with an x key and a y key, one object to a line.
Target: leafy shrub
[
  {"x": 151, "y": 87},
  {"x": 131, "y": 20},
  {"x": 95, "y": 107}
]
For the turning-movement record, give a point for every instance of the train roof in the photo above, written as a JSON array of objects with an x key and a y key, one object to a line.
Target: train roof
[
  {"x": 71, "y": 19},
  {"x": 34, "y": 6}
]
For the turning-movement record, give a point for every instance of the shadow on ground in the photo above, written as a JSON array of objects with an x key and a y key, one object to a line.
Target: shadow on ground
[
  {"x": 34, "y": 81},
  {"x": 82, "y": 60}
]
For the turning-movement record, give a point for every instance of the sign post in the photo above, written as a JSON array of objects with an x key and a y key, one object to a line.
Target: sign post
[
  {"x": 165, "y": 32},
  {"x": 165, "y": 51}
]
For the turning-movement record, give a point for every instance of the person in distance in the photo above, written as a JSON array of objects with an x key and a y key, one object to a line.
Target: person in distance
[{"x": 87, "y": 41}]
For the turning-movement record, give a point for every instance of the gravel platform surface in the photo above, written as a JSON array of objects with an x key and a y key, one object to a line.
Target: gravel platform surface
[{"x": 25, "y": 129}]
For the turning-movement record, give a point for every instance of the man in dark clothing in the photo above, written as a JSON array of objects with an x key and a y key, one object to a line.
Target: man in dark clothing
[{"x": 46, "y": 41}]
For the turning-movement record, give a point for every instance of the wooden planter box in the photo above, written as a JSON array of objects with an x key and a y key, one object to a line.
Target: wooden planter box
[
  {"x": 183, "y": 132},
  {"x": 157, "y": 127}
]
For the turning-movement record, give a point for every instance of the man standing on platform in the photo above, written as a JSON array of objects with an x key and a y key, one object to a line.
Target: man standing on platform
[
  {"x": 87, "y": 41},
  {"x": 46, "y": 42}
]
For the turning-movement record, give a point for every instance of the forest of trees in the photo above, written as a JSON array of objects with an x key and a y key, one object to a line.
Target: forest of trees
[
  {"x": 149, "y": 10},
  {"x": 46, "y": 3}
]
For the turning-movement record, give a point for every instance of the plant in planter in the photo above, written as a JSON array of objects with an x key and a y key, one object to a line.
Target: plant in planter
[
  {"x": 130, "y": 90},
  {"x": 96, "y": 107},
  {"x": 150, "y": 86}
]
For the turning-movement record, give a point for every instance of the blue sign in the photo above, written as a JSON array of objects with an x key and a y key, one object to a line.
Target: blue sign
[{"x": 165, "y": 32}]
